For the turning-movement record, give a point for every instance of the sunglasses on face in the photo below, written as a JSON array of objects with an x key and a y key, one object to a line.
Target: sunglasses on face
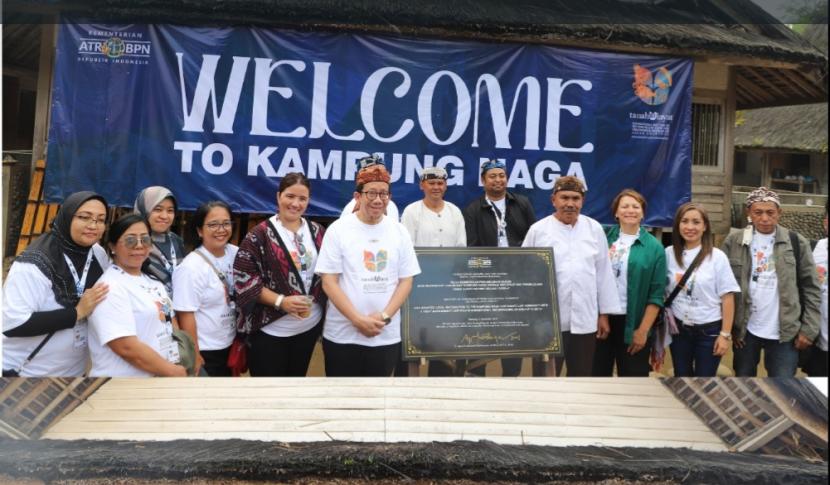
[{"x": 131, "y": 242}]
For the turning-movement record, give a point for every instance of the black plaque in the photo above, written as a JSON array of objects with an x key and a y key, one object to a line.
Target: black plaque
[{"x": 482, "y": 302}]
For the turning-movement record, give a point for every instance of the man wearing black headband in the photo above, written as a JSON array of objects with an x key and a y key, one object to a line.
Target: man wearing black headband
[{"x": 498, "y": 218}]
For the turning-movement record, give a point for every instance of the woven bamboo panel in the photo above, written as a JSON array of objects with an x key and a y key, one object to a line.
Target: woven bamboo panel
[
  {"x": 745, "y": 418},
  {"x": 29, "y": 406}
]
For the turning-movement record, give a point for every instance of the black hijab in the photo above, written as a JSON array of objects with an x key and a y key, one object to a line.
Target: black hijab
[{"x": 47, "y": 251}]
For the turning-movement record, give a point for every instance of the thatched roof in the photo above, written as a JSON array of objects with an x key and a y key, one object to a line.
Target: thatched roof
[
  {"x": 764, "y": 51},
  {"x": 788, "y": 128},
  {"x": 785, "y": 128}
]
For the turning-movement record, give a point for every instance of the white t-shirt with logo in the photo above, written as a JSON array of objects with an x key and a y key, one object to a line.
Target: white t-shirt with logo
[
  {"x": 28, "y": 290},
  {"x": 135, "y": 306},
  {"x": 369, "y": 259},
  {"x": 820, "y": 256},
  {"x": 699, "y": 302},
  {"x": 618, "y": 254},
  {"x": 197, "y": 288},
  {"x": 290, "y": 325},
  {"x": 763, "y": 288}
]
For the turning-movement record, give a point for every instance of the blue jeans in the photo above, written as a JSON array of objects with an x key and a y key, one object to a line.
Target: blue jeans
[
  {"x": 780, "y": 358},
  {"x": 691, "y": 350}
]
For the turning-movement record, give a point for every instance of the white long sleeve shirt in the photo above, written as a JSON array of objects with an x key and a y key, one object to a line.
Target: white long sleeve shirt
[
  {"x": 585, "y": 284},
  {"x": 435, "y": 229}
]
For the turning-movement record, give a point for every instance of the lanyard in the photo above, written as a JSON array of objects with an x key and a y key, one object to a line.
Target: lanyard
[
  {"x": 499, "y": 219},
  {"x": 80, "y": 283},
  {"x": 169, "y": 264}
]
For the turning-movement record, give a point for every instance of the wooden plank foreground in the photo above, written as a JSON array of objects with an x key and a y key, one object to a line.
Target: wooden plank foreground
[{"x": 552, "y": 412}]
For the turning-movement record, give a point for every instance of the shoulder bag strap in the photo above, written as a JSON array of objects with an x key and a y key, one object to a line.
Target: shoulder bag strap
[
  {"x": 683, "y": 280},
  {"x": 34, "y": 352},
  {"x": 218, "y": 273}
]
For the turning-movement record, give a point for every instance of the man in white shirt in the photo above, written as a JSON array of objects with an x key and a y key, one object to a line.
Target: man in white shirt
[
  {"x": 434, "y": 222},
  {"x": 367, "y": 263},
  {"x": 778, "y": 310},
  {"x": 586, "y": 290}
]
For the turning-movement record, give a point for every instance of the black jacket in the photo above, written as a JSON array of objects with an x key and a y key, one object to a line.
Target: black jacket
[{"x": 480, "y": 221}]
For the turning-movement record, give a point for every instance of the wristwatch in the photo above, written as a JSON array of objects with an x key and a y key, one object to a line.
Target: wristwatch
[
  {"x": 726, "y": 335},
  {"x": 386, "y": 318},
  {"x": 278, "y": 301}
]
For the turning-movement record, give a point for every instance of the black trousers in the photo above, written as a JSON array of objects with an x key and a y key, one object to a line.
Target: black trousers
[
  {"x": 271, "y": 356},
  {"x": 817, "y": 363},
  {"x": 614, "y": 350},
  {"x": 216, "y": 362},
  {"x": 511, "y": 367},
  {"x": 579, "y": 354},
  {"x": 351, "y": 360}
]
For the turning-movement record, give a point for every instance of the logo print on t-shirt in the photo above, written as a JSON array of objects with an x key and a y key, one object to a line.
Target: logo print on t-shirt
[{"x": 375, "y": 262}]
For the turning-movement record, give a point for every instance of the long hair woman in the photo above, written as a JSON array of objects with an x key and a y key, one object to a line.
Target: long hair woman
[
  {"x": 280, "y": 298},
  {"x": 51, "y": 289},
  {"x": 704, "y": 308}
]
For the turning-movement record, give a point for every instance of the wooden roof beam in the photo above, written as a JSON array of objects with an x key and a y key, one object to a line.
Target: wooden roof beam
[
  {"x": 762, "y": 436},
  {"x": 783, "y": 79},
  {"x": 794, "y": 411},
  {"x": 749, "y": 89},
  {"x": 763, "y": 80}
]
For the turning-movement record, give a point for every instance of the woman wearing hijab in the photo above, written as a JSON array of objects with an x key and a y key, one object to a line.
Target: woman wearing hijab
[
  {"x": 158, "y": 207},
  {"x": 51, "y": 290}
]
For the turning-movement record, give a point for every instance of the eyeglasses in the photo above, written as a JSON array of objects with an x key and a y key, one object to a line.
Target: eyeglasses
[
  {"x": 214, "y": 226},
  {"x": 372, "y": 195},
  {"x": 131, "y": 242},
  {"x": 90, "y": 221}
]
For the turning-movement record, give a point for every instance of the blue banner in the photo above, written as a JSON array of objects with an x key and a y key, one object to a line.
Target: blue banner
[{"x": 224, "y": 113}]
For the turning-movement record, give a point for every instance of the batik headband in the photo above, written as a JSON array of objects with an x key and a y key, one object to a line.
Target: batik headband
[
  {"x": 372, "y": 173},
  {"x": 491, "y": 164},
  {"x": 570, "y": 184},
  {"x": 368, "y": 162},
  {"x": 433, "y": 173},
  {"x": 762, "y": 194}
]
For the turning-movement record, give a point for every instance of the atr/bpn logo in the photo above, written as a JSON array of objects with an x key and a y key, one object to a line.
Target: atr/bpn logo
[
  {"x": 652, "y": 88},
  {"x": 114, "y": 49}
]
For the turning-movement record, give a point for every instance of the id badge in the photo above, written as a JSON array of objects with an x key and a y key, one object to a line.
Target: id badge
[
  {"x": 169, "y": 348},
  {"x": 229, "y": 316},
  {"x": 80, "y": 331}
]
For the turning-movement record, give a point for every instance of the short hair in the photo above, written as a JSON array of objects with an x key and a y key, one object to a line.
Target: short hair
[
  {"x": 628, "y": 193},
  {"x": 201, "y": 214},
  {"x": 120, "y": 226}
]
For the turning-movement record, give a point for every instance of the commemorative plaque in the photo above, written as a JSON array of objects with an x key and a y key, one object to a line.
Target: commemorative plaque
[{"x": 482, "y": 302}]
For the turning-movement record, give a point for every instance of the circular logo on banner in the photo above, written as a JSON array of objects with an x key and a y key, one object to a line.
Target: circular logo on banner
[{"x": 113, "y": 47}]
